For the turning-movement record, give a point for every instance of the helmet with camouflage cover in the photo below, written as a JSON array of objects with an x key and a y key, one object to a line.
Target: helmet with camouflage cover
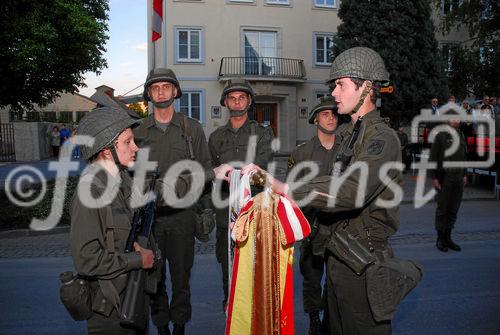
[
  {"x": 161, "y": 75},
  {"x": 234, "y": 86},
  {"x": 104, "y": 125},
  {"x": 326, "y": 103},
  {"x": 359, "y": 62}
]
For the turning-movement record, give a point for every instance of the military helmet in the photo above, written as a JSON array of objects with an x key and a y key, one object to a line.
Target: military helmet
[
  {"x": 359, "y": 62},
  {"x": 104, "y": 124},
  {"x": 325, "y": 103},
  {"x": 158, "y": 75},
  {"x": 234, "y": 86}
]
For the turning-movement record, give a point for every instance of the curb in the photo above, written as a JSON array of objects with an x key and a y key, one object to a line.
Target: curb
[{"x": 15, "y": 233}]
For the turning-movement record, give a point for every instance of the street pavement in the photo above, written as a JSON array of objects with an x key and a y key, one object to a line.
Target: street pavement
[{"x": 459, "y": 293}]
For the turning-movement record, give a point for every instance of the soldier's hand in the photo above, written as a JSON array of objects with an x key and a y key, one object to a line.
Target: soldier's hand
[
  {"x": 251, "y": 169},
  {"x": 223, "y": 171},
  {"x": 436, "y": 184},
  {"x": 147, "y": 256},
  {"x": 277, "y": 186}
]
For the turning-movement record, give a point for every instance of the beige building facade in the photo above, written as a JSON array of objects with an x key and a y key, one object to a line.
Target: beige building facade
[{"x": 281, "y": 47}]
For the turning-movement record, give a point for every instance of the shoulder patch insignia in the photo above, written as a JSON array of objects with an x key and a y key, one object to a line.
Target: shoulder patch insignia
[
  {"x": 375, "y": 147},
  {"x": 291, "y": 162}
]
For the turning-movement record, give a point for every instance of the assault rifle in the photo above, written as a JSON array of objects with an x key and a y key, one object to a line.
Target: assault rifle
[{"x": 141, "y": 282}]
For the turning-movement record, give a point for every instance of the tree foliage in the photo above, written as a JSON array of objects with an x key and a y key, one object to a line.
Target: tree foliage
[
  {"x": 402, "y": 33},
  {"x": 475, "y": 63},
  {"x": 47, "y": 46},
  {"x": 137, "y": 107}
]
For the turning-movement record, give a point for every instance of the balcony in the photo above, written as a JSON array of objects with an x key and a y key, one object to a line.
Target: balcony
[{"x": 262, "y": 68}]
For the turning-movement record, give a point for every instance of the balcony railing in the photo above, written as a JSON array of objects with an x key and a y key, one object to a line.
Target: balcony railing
[{"x": 272, "y": 67}]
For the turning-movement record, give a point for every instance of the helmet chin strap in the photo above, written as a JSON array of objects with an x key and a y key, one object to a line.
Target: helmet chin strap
[
  {"x": 236, "y": 113},
  {"x": 120, "y": 166},
  {"x": 365, "y": 92},
  {"x": 163, "y": 104},
  {"x": 324, "y": 130}
]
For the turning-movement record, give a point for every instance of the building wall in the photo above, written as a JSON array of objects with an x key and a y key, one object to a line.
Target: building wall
[
  {"x": 222, "y": 23},
  {"x": 68, "y": 102}
]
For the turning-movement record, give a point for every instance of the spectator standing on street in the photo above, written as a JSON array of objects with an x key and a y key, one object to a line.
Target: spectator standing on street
[
  {"x": 64, "y": 134},
  {"x": 494, "y": 105},
  {"x": 467, "y": 126},
  {"x": 485, "y": 105},
  {"x": 405, "y": 153},
  {"x": 172, "y": 137},
  {"x": 55, "y": 141},
  {"x": 449, "y": 184},
  {"x": 434, "y": 106}
]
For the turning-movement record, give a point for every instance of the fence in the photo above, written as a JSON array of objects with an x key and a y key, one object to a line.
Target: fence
[{"x": 7, "y": 147}]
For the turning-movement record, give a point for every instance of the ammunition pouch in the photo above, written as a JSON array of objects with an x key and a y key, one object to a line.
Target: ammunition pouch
[
  {"x": 76, "y": 295},
  {"x": 387, "y": 283},
  {"x": 205, "y": 223},
  {"x": 350, "y": 250}
]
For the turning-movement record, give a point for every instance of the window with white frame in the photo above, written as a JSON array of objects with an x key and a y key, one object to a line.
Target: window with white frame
[
  {"x": 191, "y": 104},
  {"x": 261, "y": 50},
  {"x": 323, "y": 49},
  {"x": 321, "y": 95},
  {"x": 325, "y": 3},
  {"x": 188, "y": 45},
  {"x": 240, "y": 1},
  {"x": 278, "y": 2}
]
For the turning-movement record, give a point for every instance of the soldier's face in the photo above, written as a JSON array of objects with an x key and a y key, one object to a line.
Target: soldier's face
[
  {"x": 327, "y": 119},
  {"x": 455, "y": 123},
  {"x": 237, "y": 100},
  {"x": 126, "y": 148},
  {"x": 162, "y": 91},
  {"x": 346, "y": 95}
]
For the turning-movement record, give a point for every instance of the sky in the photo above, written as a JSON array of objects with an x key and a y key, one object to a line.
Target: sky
[{"x": 126, "y": 49}]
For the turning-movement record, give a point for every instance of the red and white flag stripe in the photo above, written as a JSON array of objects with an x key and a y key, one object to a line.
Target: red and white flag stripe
[
  {"x": 157, "y": 19},
  {"x": 293, "y": 223}
]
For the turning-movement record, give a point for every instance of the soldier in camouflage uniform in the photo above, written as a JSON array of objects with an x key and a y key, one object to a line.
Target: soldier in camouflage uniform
[
  {"x": 356, "y": 76},
  {"x": 172, "y": 137},
  {"x": 229, "y": 144},
  {"x": 320, "y": 150},
  {"x": 449, "y": 184}
]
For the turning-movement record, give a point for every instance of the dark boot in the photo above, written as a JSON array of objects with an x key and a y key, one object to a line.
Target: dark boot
[
  {"x": 163, "y": 330},
  {"x": 178, "y": 329},
  {"x": 452, "y": 245},
  {"x": 314, "y": 323},
  {"x": 441, "y": 241}
]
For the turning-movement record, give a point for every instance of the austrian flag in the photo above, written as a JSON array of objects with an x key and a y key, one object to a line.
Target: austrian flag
[{"x": 157, "y": 19}]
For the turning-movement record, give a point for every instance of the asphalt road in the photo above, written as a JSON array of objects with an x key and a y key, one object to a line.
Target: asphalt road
[{"x": 459, "y": 293}]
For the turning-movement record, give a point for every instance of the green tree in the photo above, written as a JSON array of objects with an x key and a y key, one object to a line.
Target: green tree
[
  {"x": 475, "y": 63},
  {"x": 135, "y": 106},
  {"x": 403, "y": 34},
  {"x": 47, "y": 46}
]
